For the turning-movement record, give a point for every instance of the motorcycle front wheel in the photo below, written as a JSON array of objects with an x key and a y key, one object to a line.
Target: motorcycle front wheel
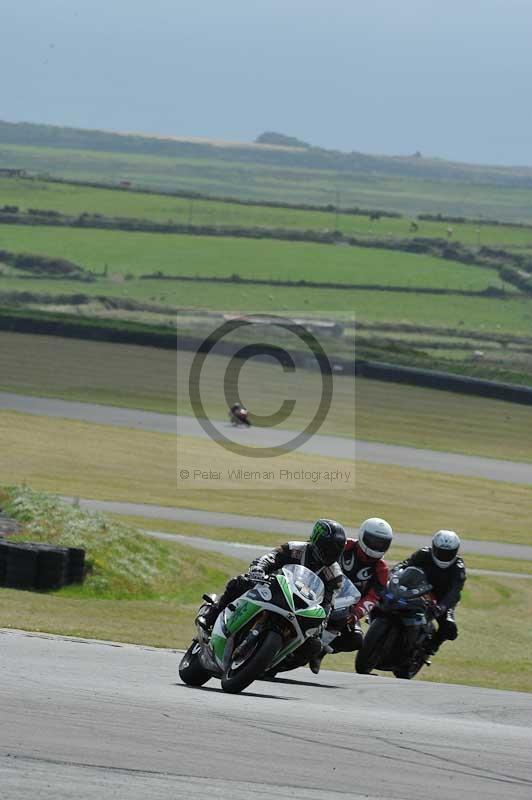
[
  {"x": 410, "y": 671},
  {"x": 235, "y": 680},
  {"x": 190, "y": 670}
]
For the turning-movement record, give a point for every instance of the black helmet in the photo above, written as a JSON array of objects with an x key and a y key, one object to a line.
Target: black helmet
[{"x": 327, "y": 541}]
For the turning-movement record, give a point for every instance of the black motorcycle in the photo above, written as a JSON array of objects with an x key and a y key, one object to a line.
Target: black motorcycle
[{"x": 401, "y": 630}]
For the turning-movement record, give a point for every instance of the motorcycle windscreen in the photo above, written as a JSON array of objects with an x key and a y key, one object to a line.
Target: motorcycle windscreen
[
  {"x": 412, "y": 581},
  {"x": 346, "y": 595},
  {"x": 304, "y": 583}
]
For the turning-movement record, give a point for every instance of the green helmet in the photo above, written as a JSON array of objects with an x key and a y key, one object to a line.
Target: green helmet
[{"x": 327, "y": 541}]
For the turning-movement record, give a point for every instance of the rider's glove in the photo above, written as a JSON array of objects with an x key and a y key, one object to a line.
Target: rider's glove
[
  {"x": 440, "y": 611},
  {"x": 356, "y": 613},
  {"x": 256, "y": 574}
]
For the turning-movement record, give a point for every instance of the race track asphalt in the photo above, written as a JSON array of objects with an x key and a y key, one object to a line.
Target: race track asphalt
[
  {"x": 99, "y": 720},
  {"x": 332, "y": 446}
]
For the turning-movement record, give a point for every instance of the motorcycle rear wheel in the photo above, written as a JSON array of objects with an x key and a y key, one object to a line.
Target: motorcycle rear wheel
[
  {"x": 373, "y": 646},
  {"x": 190, "y": 670},
  {"x": 234, "y": 681}
]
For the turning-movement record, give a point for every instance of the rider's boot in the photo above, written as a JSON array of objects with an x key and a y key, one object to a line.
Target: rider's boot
[{"x": 315, "y": 661}]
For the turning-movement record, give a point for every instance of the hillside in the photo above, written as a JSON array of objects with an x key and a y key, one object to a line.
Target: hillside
[{"x": 408, "y": 185}]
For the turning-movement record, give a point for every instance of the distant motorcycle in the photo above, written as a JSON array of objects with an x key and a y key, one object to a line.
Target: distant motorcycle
[
  {"x": 257, "y": 631},
  {"x": 401, "y": 631},
  {"x": 238, "y": 415}
]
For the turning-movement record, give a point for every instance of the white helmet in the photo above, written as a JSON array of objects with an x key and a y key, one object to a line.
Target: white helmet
[
  {"x": 444, "y": 548},
  {"x": 375, "y": 537}
]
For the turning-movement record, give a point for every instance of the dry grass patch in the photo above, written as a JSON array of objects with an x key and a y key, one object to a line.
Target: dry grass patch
[{"x": 101, "y": 462}]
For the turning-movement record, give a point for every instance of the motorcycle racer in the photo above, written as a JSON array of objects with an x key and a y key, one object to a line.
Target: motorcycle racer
[
  {"x": 319, "y": 554},
  {"x": 447, "y": 574},
  {"x": 363, "y": 563},
  {"x": 238, "y": 415}
]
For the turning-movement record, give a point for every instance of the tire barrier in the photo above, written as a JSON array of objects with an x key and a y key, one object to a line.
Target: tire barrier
[
  {"x": 75, "y": 565},
  {"x": 31, "y": 565},
  {"x": 3, "y": 560},
  {"x": 51, "y": 567},
  {"x": 20, "y": 566}
]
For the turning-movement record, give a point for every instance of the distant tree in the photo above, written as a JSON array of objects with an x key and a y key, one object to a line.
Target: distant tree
[{"x": 271, "y": 137}]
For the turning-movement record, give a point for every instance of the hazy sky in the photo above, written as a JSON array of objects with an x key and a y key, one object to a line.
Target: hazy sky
[{"x": 449, "y": 78}]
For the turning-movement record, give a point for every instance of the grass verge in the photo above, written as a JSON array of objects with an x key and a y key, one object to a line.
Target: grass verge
[
  {"x": 138, "y": 589},
  {"x": 123, "y": 564}
]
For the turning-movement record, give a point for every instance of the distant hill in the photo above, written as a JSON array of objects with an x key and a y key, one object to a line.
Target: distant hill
[{"x": 300, "y": 156}]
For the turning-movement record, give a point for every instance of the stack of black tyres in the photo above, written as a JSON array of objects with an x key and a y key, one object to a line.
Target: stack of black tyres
[
  {"x": 20, "y": 569},
  {"x": 51, "y": 566},
  {"x": 29, "y": 565},
  {"x": 75, "y": 565}
]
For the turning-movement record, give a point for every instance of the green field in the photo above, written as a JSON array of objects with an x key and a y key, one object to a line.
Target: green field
[
  {"x": 119, "y": 258},
  {"x": 136, "y": 253},
  {"x": 477, "y": 195},
  {"x": 75, "y": 200},
  {"x": 510, "y": 315}
]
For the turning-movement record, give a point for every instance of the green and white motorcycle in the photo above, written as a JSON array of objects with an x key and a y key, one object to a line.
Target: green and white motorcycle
[{"x": 257, "y": 631}]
